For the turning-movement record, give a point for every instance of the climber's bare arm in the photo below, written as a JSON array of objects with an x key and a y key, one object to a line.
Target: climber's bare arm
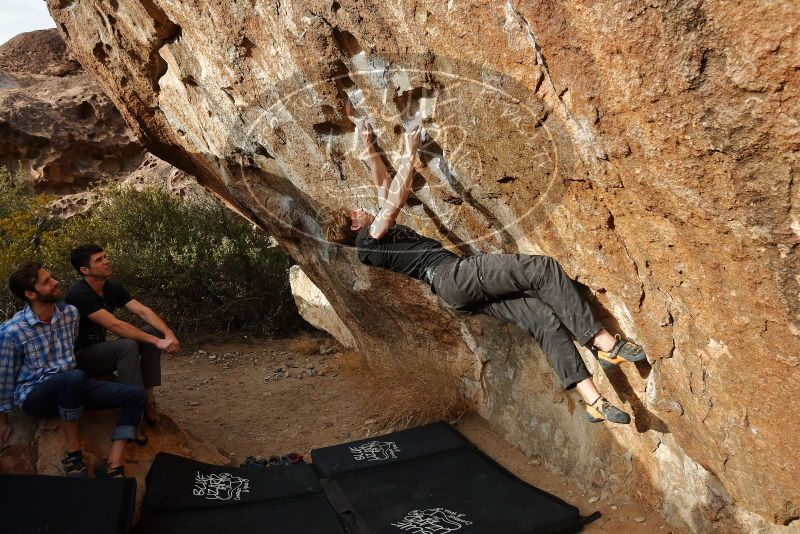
[
  {"x": 380, "y": 175},
  {"x": 399, "y": 188}
]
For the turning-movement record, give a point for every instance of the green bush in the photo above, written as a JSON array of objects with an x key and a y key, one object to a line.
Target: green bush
[
  {"x": 23, "y": 221},
  {"x": 197, "y": 264}
]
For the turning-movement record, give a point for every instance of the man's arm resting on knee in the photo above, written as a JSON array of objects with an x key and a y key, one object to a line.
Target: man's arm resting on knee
[
  {"x": 126, "y": 330},
  {"x": 399, "y": 189},
  {"x": 150, "y": 317}
]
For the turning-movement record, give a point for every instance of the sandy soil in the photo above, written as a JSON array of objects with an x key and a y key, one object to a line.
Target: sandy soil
[{"x": 269, "y": 397}]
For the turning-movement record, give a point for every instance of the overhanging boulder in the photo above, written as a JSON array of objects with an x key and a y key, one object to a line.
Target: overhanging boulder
[{"x": 652, "y": 151}]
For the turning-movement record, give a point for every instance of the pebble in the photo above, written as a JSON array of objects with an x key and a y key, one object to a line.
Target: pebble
[
  {"x": 640, "y": 519},
  {"x": 594, "y": 499},
  {"x": 614, "y": 507}
]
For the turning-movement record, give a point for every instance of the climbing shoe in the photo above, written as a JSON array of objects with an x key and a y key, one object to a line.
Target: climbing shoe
[
  {"x": 623, "y": 351},
  {"x": 291, "y": 458},
  {"x": 602, "y": 410},
  {"x": 73, "y": 465},
  {"x": 103, "y": 470}
]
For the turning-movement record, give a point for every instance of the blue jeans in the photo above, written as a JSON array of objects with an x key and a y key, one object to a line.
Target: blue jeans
[{"x": 65, "y": 394}]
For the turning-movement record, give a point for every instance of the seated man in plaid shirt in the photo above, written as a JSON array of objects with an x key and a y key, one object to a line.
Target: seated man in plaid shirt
[{"x": 38, "y": 372}]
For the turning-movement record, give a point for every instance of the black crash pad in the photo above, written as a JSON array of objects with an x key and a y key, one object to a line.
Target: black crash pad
[
  {"x": 49, "y": 504},
  {"x": 448, "y": 490},
  {"x": 185, "y": 496},
  {"x": 308, "y": 515},
  {"x": 391, "y": 448}
]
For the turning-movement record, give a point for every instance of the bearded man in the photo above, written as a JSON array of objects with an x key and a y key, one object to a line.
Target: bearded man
[{"x": 39, "y": 374}]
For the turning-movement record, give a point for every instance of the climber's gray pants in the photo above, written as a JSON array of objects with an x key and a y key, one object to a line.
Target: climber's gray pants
[{"x": 532, "y": 292}]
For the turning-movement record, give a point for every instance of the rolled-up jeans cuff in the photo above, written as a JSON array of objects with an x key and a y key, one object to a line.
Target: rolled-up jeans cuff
[
  {"x": 123, "y": 432},
  {"x": 587, "y": 336},
  {"x": 70, "y": 414}
]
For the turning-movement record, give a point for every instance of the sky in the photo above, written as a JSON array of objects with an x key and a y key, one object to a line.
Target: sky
[{"x": 17, "y": 16}]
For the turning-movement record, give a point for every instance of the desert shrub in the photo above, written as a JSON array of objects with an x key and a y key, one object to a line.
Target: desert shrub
[
  {"x": 197, "y": 264},
  {"x": 23, "y": 220},
  {"x": 305, "y": 344}
]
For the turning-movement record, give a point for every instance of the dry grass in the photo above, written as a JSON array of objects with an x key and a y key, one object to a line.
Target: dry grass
[
  {"x": 305, "y": 344},
  {"x": 351, "y": 363},
  {"x": 408, "y": 391}
]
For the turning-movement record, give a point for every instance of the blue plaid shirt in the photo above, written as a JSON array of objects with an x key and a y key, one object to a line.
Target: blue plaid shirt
[{"x": 32, "y": 351}]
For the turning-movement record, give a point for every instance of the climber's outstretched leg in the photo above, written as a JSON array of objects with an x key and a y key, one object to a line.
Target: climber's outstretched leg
[
  {"x": 489, "y": 277},
  {"x": 540, "y": 321}
]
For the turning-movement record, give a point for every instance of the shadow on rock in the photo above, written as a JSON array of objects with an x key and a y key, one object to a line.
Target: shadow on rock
[{"x": 644, "y": 419}]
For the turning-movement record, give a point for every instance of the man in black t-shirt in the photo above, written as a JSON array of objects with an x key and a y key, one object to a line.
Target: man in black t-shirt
[
  {"x": 532, "y": 292},
  {"x": 136, "y": 355}
]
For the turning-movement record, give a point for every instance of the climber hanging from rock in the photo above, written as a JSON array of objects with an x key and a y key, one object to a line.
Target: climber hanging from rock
[{"x": 532, "y": 292}]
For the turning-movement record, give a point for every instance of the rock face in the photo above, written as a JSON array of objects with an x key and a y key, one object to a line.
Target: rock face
[
  {"x": 313, "y": 305},
  {"x": 153, "y": 172},
  {"x": 55, "y": 119},
  {"x": 651, "y": 149}
]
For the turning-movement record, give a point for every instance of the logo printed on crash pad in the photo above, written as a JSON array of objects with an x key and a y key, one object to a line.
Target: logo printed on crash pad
[
  {"x": 432, "y": 521},
  {"x": 221, "y": 487},
  {"x": 374, "y": 451}
]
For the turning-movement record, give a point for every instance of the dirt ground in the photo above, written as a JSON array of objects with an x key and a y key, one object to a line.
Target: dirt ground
[{"x": 269, "y": 397}]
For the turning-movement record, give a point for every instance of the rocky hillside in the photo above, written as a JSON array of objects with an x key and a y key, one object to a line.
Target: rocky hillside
[
  {"x": 55, "y": 119},
  {"x": 651, "y": 149}
]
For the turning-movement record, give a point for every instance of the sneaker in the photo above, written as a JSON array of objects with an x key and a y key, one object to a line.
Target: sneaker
[
  {"x": 254, "y": 461},
  {"x": 103, "y": 470},
  {"x": 292, "y": 458},
  {"x": 73, "y": 465},
  {"x": 140, "y": 439},
  {"x": 623, "y": 351},
  {"x": 602, "y": 410}
]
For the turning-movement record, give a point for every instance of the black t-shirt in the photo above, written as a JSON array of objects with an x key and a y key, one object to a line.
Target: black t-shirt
[
  {"x": 82, "y": 296},
  {"x": 401, "y": 250}
]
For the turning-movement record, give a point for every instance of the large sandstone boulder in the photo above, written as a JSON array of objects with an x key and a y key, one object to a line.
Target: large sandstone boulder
[
  {"x": 651, "y": 149},
  {"x": 153, "y": 172},
  {"x": 313, "y": 306},
  {"x": 55, "y": 120}
]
